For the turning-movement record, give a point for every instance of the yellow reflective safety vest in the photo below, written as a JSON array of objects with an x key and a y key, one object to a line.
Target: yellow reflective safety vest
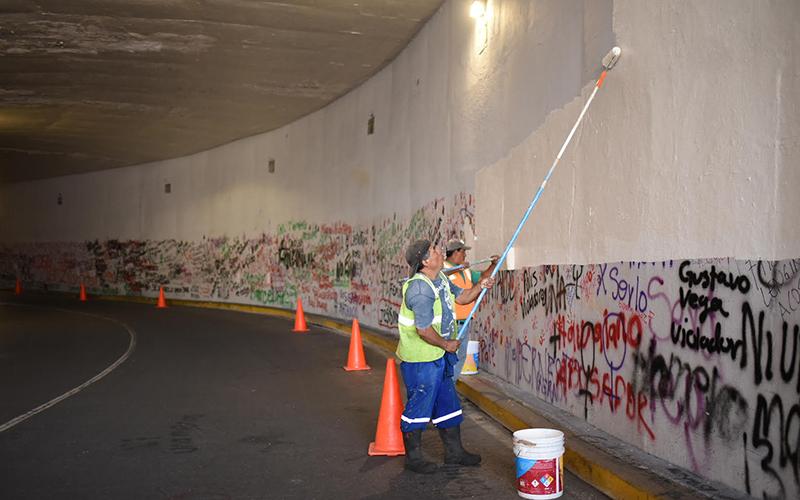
[{"x": 412, "y": 347}]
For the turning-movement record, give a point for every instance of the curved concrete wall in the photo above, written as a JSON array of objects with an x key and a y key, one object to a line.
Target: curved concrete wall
[
  {"x": 441, "y": 111},
  {"x": 610, "y": 343}
]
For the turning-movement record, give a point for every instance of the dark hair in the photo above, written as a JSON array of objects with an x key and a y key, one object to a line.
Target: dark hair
[
  {"x": 451, "y": 252},
  {"x": 416, "y": 252},
  {"x": 425, "y": 256}
]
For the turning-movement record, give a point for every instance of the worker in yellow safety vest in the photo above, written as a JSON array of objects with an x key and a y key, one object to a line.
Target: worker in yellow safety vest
[
  {"x": 456, "y": 253},
  {"x": 427, "y": 350}
]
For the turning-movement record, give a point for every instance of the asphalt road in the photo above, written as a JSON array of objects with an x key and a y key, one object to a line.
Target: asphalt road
[{"x": 207, "y": 404}]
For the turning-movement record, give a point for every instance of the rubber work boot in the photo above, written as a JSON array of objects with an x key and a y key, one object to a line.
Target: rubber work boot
[
  {"x": 414, "y": 460},
  {"x": 454, "y": 452}
]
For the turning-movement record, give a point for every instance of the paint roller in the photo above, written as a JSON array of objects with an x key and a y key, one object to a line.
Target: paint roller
[
  {"x": 450, "y": 270},
  {"x": 608, "y": 62}
]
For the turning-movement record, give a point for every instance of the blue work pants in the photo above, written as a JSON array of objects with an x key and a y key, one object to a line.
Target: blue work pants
[{"x": 431, "y": 395}]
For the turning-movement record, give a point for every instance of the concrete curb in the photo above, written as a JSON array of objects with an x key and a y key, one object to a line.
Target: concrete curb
[{"x": 609, "y": 474}]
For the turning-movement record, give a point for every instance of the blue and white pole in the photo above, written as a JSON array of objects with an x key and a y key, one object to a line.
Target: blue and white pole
[{"x": 608, "y": 62}]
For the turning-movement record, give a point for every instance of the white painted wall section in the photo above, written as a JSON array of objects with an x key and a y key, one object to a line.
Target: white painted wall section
[{"x": 689, "y": 150}]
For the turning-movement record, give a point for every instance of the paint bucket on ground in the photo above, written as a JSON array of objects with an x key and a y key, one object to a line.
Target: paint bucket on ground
[
  {"x": 471, "y": 361},
  {"x": 540, "y": 463}
]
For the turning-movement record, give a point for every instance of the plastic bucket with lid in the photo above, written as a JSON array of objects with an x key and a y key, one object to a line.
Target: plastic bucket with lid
[
  {"x": 471, "y": 362},
  {"x": 540, "y": 463}
]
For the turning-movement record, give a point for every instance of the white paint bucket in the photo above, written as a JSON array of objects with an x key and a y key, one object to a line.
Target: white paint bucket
[
  {"x": 471, "y": 362},
  {"x": 540, "y": 463}
]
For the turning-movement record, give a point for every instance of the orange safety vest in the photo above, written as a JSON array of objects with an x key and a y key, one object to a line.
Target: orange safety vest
[{"x": 461, "y": 279}]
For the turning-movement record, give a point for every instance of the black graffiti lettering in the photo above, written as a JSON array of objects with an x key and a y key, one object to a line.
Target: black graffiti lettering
[
  {"x": 554, "y": 339},
  {"x": 708, "y": 279},
  {"x": 348, "y": 269},
  {"x": 503, "y": 290},
  {"x": 697, "y": 396},
  {"x": 521, "y": 365},
  {"x": 787, "y": 371},
  {"x": 290, "y": 254},
  {"x": 529, "y": 280},
  {"x": 775, "y": 281},
  {"x": 601, "y": 282},
  {"x": 702, "y": 303},
  {"x": 728, "y": 408},
  {"x": 659, "y": 377},
  {"x": 696, "y": 381},
  {"x": 691, "y": 338},
  {"x": 388, "y": 317},
  {"x": 757, "y": 341},
  {"x": 766, "y": 415},
  {"x": 434, "y": 234},
  {"x": 746, "y": 465},
  {"x": 588, "y": 368},
  {"x": 577, "y": 272},
  {"x": 552, "y": 297},
  {"x": 793, "y": 457}
]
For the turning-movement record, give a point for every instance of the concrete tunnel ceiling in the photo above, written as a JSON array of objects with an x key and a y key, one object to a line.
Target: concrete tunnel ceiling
[{"x": 98, "y": 84}]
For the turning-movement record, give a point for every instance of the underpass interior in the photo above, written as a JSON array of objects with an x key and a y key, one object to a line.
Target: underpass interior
[{"x": 251, "y": 154}]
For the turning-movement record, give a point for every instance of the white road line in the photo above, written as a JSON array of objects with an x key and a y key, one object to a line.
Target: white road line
[{"x": 131, "y": 346}]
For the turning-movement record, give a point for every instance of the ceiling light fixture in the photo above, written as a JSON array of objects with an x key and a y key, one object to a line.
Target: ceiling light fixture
[{"x": 477, "y": 9}]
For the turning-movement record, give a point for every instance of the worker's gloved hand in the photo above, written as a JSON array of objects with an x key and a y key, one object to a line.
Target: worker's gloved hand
[{"x": 487, "y": 283}]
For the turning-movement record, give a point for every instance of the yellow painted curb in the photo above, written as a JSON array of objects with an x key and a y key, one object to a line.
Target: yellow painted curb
[
  {"x": 506, "y": 418},
  {"x": 605, "y": 480},
  {"x": 248, "y": 308}
]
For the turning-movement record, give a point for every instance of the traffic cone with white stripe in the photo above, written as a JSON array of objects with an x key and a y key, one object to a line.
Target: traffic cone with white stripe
[
  {"x": 388, "y": 438},
  {"x": 82, "y": 295},
  {"x": 162, "y": 301}
]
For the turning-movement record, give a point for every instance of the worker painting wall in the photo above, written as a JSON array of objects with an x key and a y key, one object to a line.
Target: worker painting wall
[
  {"x": 641, "y": 301},
  {"x": 684, "y": 169},
  {"x": 700, "y": 116}
]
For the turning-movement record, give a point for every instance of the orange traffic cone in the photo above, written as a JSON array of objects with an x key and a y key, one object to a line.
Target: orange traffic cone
[
  {"x": 388, "y": 438},
  {"x": 355, "y": 360},
  {"x": 83, "y": 293},
  {"x": 162, "y": 302},
  {"x": 18, "y": 288},
  {"x": 300, "y": 318}
]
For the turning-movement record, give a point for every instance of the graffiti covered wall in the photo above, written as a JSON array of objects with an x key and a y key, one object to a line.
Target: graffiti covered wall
[
  {"x": 339, "y": 269},
  {"x": 695, "y": 361}
]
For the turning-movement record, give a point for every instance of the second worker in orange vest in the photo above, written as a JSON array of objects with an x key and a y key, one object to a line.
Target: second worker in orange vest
[{"x": 456, "y": 253}]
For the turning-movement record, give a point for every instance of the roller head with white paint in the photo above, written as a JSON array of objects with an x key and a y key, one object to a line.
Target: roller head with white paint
[{"x": 611, "y": 58}]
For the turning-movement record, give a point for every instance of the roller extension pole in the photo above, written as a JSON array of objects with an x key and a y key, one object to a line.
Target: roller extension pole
[
  {"x": 452, "y": 270},
  {"x": 608, "y": 62}
]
